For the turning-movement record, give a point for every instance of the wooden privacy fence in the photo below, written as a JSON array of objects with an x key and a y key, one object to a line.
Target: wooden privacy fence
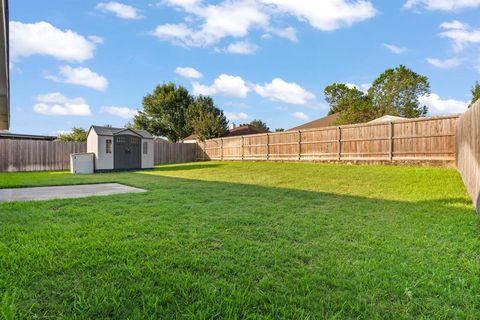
[
  {"x": 424, "y": 139},
  {"x": 468, "y": 151},
  {"x": 174, "y": 152},
  {"x": 32, "y": 155}
]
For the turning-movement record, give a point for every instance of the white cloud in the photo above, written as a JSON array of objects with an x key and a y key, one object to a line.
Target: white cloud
[
  {"x": 226, "y": 85},
  {"x": 455, "y": 24},
  {"x": 96, "y": 39},
  {"x": 395, "y": 49},
  {"x": 189, "y": 73},
  {"x": 61, "y": 132},
  {"x": 80, "y": 76},
  {"x": 207, "y": 24},
  {"x": 363, "y": 87},
  {"x": 122, "y": 112},
  {"x": 289, "y": 33},
  {"x": 56, "y": 104},
  {"x": 444, "y": 5},
  {"x": 437, "y": 106},
  {"x": 241, "y": 47},
  {"x": 27, "y": 39},
  {"x": 460, "y": 34},
  {"x": 226, "y": 19},
  {"x": 232, "y": 116},
  {"x": 300, "y": 115},
  {"x": 444, "y": 64},
  {"x": 326, "y": 15},
  {"x": 121, "y": 10},
  {"x": 279, "y": 90}
]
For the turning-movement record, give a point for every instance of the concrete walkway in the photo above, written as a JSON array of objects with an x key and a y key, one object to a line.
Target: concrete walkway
[{"x": 64, "y": 192}]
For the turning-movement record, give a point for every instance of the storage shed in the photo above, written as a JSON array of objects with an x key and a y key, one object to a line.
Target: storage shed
[{"x": 120, "y": 148}]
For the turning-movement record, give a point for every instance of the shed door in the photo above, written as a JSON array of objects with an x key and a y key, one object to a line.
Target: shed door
[{"x": 127, "y": 152}]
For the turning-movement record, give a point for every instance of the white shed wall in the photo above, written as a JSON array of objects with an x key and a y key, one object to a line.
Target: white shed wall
[
  {"x": 147, "y": 159},
  {"x": 104, "y": 160},
  {"x": 92, "y": 146}
]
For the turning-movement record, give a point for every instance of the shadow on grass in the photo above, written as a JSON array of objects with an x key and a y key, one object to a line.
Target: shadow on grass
[
  {"x": 200, "y": 249},
  {"x": 183, "y": 167}
]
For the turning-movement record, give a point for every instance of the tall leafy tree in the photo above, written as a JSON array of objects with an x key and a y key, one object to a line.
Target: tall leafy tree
[
  {"x": 475, "y": 93},
  {"x": 165, "y": 112},
  {"x": 76, "y": 135},
  {"x": 359, "y": 110},
  {"x": 352, "y": 105},
  {"x": 396, "y": 92},
  {"x": 206, "y": 120},
  {"x": 259, "y": 124},
  {"x": 340, "y": 96}
]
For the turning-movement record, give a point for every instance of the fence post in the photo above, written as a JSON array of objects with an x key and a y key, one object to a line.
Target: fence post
[
  {"x": 391, "y": 141},
  {"x": 221, "y": 149},
  {"x": 299, "y": 145},
  {"x": 204, "y": 150},
  {"x": 243, "y": 144},
  {"x": 339, "y": 142},
  {"x": 268, "y": 146}
]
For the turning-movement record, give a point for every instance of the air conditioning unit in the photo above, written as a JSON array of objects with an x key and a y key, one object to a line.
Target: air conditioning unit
[{"x": 82, "y": 163}]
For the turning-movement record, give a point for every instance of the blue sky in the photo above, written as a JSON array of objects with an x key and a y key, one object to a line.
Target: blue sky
[{"x": 78, "y": 63}]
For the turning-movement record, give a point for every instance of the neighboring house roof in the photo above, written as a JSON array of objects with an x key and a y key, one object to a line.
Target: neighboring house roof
[
  {"x": 319, "y": 123},
  {"x": 245, "y": 130},
  {"x": 387, "y": 118},
  {"x": 159, "y": 139},
  {"x": 192, "y": 137},
  {"x": 107, "y": 131},
  {"x": 4, "y": 67},
  {"x": 17, "y": 136}
]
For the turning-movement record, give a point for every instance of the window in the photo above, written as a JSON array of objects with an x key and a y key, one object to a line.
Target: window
[
  {"x": 135, "y": 140},
  {"x": 108, "y": 146},
  {"x": 145, "y": 148}
]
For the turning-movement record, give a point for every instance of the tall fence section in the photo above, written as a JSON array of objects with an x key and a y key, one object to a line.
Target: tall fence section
[
  {"x": 174, "y": 152},
  {"x": 468, "y": 151},
  {"x": 32, "y": 155},
  {"x": 424, "y": 139}
]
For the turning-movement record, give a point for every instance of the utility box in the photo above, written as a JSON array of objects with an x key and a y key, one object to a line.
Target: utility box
[{"x": 82, "y": 163}]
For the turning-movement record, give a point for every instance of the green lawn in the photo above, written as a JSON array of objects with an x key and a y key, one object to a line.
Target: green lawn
[{"x": 245, "y": 241}]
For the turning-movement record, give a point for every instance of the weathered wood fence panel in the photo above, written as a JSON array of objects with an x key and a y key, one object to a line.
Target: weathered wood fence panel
[
  {"x": 174, "y": 152},
  {"x": 468, "y": 151},
  {"x": 424, "y": 139},
  {"x": 32, "y": 155}
]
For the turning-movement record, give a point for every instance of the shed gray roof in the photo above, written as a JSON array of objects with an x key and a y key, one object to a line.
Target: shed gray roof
[{"x": 106, "y": 131}]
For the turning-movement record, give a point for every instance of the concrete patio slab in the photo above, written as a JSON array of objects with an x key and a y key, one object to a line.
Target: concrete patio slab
[{"x": 65, "y": 192}]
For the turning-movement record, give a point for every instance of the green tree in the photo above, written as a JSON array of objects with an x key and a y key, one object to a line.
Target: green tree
[
  {"x": 396, "y": 92},
  {"x": 359, "y": 111},
  {"x": 351, "y": 104},
  {"x": 206, "y": 120},
  {"x": 279, "y": 130},
  {"x": 259, "y": 124},
  {"x": 475, "y": 93},
  {"x": 165, "y": 112},
  {"x": 340, "y": 96},
  {"x": 76, "y": 135}
]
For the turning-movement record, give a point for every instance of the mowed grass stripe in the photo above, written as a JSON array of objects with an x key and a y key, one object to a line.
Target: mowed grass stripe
[{"x": 245, "y": 241}]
